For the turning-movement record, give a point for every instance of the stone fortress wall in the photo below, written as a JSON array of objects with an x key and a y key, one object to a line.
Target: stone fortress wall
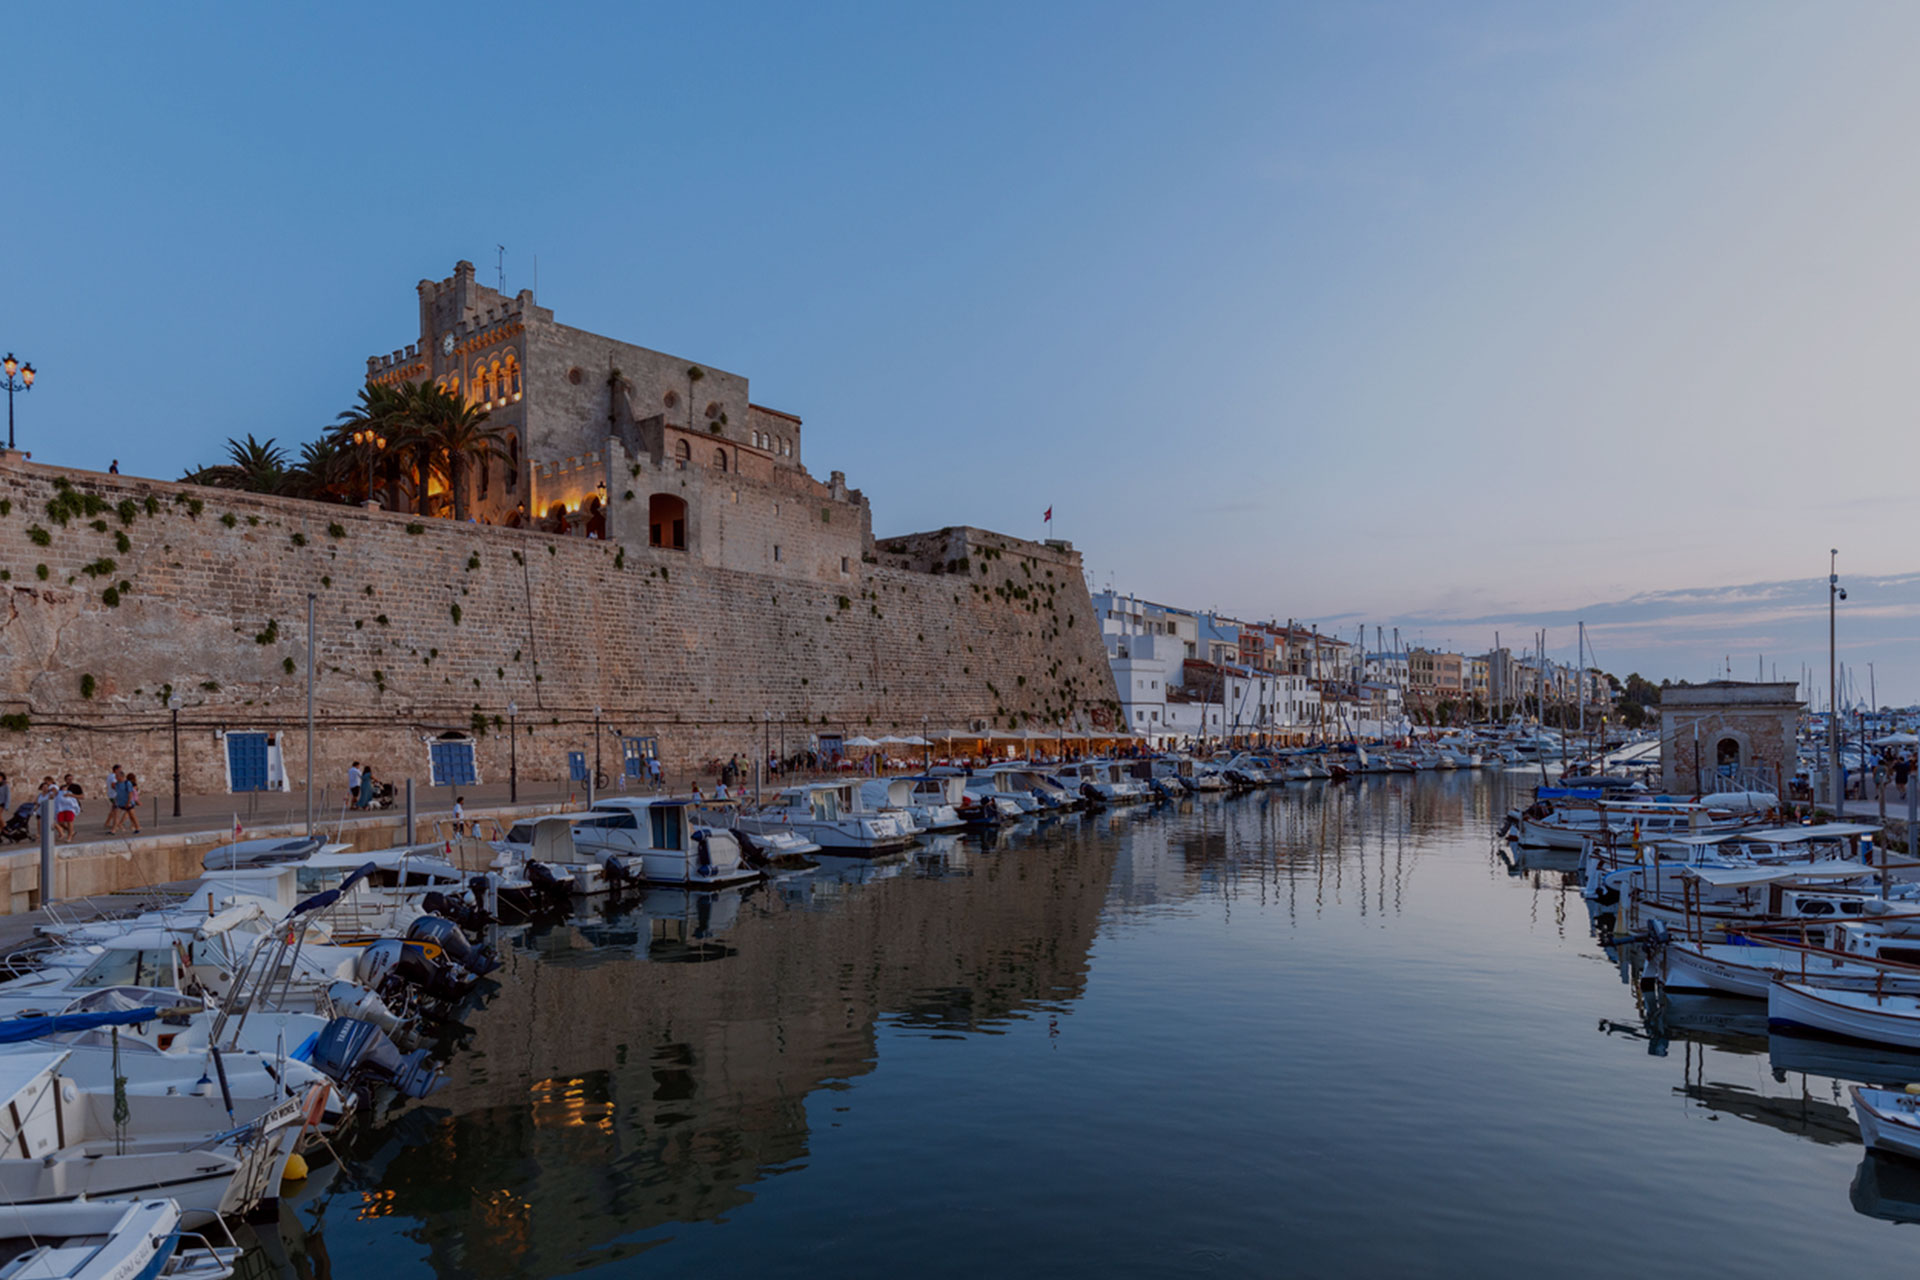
[{"x": 117, "y": 591}]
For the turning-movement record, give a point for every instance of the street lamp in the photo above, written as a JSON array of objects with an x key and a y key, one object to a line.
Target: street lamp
[
  {"x": 513, "y": 752},
  {"x": 24, "y": 383},
  {"x": 1835, "y": 775},
  {"x": 596, "y": 746},
  {"x": 373, "y": 442},
  {"x": 173, "y": 705}
]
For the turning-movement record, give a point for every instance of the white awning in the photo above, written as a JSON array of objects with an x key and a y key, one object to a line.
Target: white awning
[{"x": 1742, "y": 877}]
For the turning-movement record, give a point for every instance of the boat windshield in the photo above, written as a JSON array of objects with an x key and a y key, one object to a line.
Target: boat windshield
[
  {"x": 624, "y": 820},
  {"x": 129, "y": 968}
]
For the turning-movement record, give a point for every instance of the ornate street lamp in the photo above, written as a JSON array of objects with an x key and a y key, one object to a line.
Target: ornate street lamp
[
  {"x": 1836, "y": 774},
  {"x": 373, "y": 442},
  {"x": 23, "y": 383}
]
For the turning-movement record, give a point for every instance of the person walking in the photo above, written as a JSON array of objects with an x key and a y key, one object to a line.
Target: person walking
[
  {"x": 131, "y": 810},
  {"x": 116, "y": 796},
  {"x": 460, "y": 815},
  {"x": 353, "y": 784}
]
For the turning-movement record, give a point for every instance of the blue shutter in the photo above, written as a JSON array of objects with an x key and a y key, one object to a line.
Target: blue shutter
[
  {"x": 452, "y": 764},
  {"x": 577, "y": 766},
  {"x": 247, "y": 761}
]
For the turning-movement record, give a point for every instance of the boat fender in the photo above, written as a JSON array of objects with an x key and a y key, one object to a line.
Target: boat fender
[
  {"x": 296, "y": 1170},
  {"x": 1912, "y": 1091}
]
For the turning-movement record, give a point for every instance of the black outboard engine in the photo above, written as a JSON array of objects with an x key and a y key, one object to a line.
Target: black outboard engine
[
  {"x": 390, "y": 961},
  {"x": 750, "y": 852},
  {"x": 705, "y": 864},
  {"x": 457, "y": 909},
  {"x": 453, "y": 944},
  {"x": 618, "y": 874},
  {"x": 355, "y": 1053},
  {"x": 548, "y": 885}
]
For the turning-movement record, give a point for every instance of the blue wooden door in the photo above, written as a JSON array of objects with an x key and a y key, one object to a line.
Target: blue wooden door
[
  {"x": 452, "y": 764},
  {"x": 247, "y": 761}
]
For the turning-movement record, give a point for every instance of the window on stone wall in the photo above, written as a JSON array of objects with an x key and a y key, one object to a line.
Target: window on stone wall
[
  {"x": 486, "y": 476},
  {"x": 667, "y": 521},
  {"x": 719, "y": 459},
  {"x": 512, "y": 387},
  {"x": 776, "y": 551},
  {"x": 513, "y": 461},
  {"x": 683, "y": 453}
]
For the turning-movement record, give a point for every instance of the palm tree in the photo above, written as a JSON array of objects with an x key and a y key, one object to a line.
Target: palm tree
[
  {"x": 452, "y": 434},
  {"x": 257, "y": 466},
  {"x": 326, "y": 472}
]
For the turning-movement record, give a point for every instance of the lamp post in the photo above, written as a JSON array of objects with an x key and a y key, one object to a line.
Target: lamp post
[
  {"x": 596, "y": 746},
  {"x": 373, "y": 442},
  {"x": 24, "y": 383},
  {"x": 513, "y": 752},
  {"x": 1835, "y": 775},
  {"x": 173, "y": 705}
]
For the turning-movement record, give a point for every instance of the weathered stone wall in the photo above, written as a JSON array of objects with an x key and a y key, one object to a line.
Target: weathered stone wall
[{"x": 428, "y": 626}]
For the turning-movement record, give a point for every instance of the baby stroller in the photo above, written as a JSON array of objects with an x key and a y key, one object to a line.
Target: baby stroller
[
  {"x": 383, "y": 794},
  {"x": 19, "y": 825}
]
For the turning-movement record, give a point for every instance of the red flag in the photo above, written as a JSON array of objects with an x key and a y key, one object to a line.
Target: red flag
[{"x": 1049, "y": 516}]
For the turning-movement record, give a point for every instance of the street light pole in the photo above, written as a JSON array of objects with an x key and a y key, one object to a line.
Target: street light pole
[
  {"x": 173, "y": 705},
  {"x": 372, "y": 442},
  {"x": 1835, "y": 777},
  {"x": 25, "y": 383},
  {"x": 513, "y": 752},
  {"x": 310, "y": 599}
]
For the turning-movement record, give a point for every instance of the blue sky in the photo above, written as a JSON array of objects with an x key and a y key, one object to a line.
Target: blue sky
[{"x": 1403, "y": 312}]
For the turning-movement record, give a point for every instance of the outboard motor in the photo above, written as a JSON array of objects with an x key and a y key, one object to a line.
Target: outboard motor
[
  {"x": 453, "y": 944},
  {"x": 548, "y": 885},
  {"x": 390, "y": 960},
  {"x": 356, "y": 1001},
  {"x": 354, "y": 1052},
  {"x": 619, "y": 875},
  {"x": 751, "y": 853},
  {"x": 456, "y": 909},
  {"x": 704, "y": 865},
  {"x": 486, "y": 892}
]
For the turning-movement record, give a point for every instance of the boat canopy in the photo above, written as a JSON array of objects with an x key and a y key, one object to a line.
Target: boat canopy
[
  {"x": 19, "y": 1070},
  {"x": 1742, "y": 877}
]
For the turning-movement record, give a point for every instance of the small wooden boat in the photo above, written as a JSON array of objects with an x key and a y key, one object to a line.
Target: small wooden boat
[
  {"x": 1889, "y": 1120},
  {"x": 1858, "y": 1015}
]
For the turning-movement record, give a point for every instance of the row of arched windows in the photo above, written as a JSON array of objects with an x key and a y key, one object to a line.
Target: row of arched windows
[
  {"x": 495, "y": 379},
  {"x": 779, "y": 446}
]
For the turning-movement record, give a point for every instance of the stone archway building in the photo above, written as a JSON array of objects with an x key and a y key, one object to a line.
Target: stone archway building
[{"x": 1728, "y": 734}]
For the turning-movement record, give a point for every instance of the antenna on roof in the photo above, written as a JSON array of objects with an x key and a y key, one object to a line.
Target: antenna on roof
[{"x": 502, "y": 268}]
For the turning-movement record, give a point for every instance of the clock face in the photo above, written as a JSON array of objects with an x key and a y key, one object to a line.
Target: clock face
[{"x": 446, "y": 344}]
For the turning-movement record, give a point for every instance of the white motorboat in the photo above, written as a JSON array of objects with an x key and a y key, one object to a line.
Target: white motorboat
[
  {"x": 112, "y": 1239},
  {"x": 659, "y": 840},
  {"x": 1889, "y": 1121},
  {"x": 1746, "y": 966},
  {"x": 926, "y": 813},
  {"x": 823, "y": 812},
  {"x": 62, "y": 1140}
]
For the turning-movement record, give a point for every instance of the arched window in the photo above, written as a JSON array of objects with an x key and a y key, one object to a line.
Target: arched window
[
  {"x": 1727, "y": 752},
  {"x": 683, "y": 452},
  {"x": 667, "y": 521},
  {"x": 512, "y": 384},
  {"x": 513, "y": 461},
  {"x": 719, "y": 459}
]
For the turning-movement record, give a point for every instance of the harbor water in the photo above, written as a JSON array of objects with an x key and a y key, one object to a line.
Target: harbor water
[{"x": 1327, "y": 1029}]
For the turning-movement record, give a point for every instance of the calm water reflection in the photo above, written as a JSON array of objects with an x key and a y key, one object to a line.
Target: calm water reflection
[{"x": 1325, "y": 1030}]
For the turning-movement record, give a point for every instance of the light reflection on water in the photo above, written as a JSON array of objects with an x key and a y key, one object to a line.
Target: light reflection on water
[{"x": 1325, "y": 1029}]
